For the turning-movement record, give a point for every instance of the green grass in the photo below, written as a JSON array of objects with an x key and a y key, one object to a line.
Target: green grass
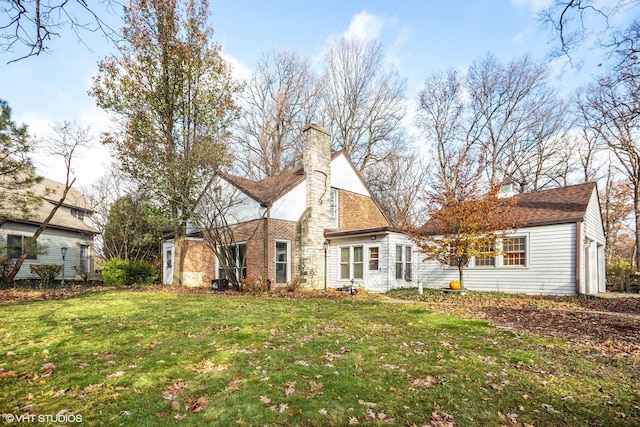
[{"x": 144, "y": 358}]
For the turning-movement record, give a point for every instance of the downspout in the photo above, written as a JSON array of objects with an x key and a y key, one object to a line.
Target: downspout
[
  {"x": 578, "y": 255},
  {"x": 267, "y": 246}
]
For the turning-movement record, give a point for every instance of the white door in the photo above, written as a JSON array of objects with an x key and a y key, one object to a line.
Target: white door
[
  {"x": 167, "y": 263},
  {"x": 374, "y": 272}
]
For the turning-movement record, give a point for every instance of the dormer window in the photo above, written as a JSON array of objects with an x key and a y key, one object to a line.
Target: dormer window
[{"x": 77, "y": 213}]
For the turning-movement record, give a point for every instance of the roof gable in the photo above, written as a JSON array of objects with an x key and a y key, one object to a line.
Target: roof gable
[{"x": 268, "y": 190}]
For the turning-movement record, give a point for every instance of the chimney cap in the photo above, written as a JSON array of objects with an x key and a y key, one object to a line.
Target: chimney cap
[{"x": 316, "y": 127}]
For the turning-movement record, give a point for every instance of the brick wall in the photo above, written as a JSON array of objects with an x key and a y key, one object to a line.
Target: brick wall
[
  {"x": 198, "y": 258},
  {"x": 356, "y": 211},
  {"x": 198, "y": 266}
]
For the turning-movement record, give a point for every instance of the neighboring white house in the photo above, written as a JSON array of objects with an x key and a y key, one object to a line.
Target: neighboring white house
[
  {"x": 558, "y": 250},
  {"x": 70, "y": 228}
]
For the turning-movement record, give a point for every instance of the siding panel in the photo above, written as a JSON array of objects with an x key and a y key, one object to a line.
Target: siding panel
[{"x": 549, "y": 271}]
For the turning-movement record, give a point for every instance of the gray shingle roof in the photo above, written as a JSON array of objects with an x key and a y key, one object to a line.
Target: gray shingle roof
[{"x": 51, "y": 191}]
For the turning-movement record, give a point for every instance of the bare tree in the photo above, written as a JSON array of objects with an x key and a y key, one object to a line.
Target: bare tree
[
  {"x": 441, "y": 116},
  {"x": 33, "y": 24},
  {"x": 363, "y": 102},
  {"x": 281, "y": 98},
  {"x": 516, "y": 113},
  {"x": 66, "y": 139},
  {"x": 506, "y": 115},
  {"x": 100, "y": 195},
  {"x": 595, "y": 24},
  {"x": 612, "y": 108},
  {"x": 397, "y": 185}
]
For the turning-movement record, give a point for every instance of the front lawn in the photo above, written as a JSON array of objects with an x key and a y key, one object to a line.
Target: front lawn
[{"x": 157, "y": 358}]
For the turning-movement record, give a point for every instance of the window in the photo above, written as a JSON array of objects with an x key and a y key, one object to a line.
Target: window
[
  {"x": 352, "y": 262},
  {"x": 17, "y": 245},
  {"x": 399, "y": 263},
  {"x": 358, "y": 262},
  {"x": 487, "y": 257},
  {"x": 78, "y": 213},
  {"x": 404, "y": 266},
  {"x": 407, "y": 263},
  {"x": 514, "y": 251},
  {"x": 345, "y": 256},
  {"x": 334, "y": 203},
  {"x": 236, "y": 257},
  {"x": 282, "y": 262},
  {"x": 168, "y": 258},
  {"x": 374, "y": 258}
]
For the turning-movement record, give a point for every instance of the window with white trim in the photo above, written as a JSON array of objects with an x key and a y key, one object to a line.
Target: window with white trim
[
  {"x": 404, "y": 265},
  {"x": 374, "y": 258},
  {"x": 351, "y": 262},
  {"x": 334, "y": 204},
  {"x": 514, "y": 251},
  {"x": 236, "y": 256},
  {"x": 486, "y": 256},
  {"x": 282, "y": 261}
]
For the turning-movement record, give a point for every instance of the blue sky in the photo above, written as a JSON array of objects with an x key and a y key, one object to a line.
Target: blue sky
[{"x": 419, "y": 37}]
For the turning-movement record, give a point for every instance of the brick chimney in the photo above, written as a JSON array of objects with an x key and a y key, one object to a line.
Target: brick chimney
[{"x": 316, "y": 161}]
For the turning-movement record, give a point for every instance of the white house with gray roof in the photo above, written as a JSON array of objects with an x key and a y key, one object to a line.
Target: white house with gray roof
[{"x": 71, "y": 228}]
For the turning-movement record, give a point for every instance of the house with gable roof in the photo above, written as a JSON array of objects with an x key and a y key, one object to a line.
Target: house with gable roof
[
  {"x": 557, "y": 250},
  {"x": 283, "y": 227},
  {"x": 71, "y": 228},
  {"x": 319, "y": 223}
]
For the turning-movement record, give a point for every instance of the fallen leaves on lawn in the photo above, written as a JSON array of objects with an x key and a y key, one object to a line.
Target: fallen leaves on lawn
[
  {"x": 47, "y": 369},
  {"x": 173, "y": 391},
  {"x": 116, "y": 374},
  {"x": 208, "y": 367},
  {"x": 291, "y": 388},
  {"x": 442, "y": 419},
  {"x": 233, "y": 385},
  {"x": 428, "y": 382},
  {"x": 199, "y": 404}
]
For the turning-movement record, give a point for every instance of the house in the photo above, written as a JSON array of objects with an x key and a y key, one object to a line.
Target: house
[
  {"x": 557, "y": 250},
  {"x": 317, "y": 223},
  {"x": 70, "y": 230}
]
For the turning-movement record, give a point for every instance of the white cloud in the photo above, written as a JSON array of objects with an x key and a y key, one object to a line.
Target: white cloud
[
  {"x": 239, "y": 70},
  {"x": 365, "y": 26}
]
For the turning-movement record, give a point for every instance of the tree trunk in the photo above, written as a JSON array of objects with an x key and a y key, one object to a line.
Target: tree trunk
[
  {"x": 178, "y": 256},
  {"x": 460, "y": 276},
  {"x": 636, "y": 206}
]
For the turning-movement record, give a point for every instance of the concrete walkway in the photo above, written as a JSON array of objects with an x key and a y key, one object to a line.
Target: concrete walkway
[{"x": 618, "y": 295}]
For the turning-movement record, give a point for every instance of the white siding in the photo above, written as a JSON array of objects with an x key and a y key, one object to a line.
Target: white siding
[
  {"x": 236, "y": 205},
  {"x": 395, "y": 239},
  {"x": 382, "y": 280},
  {"x": 550, "y": 266},
  {"x": 593, "y": 220},
  {"x": 592, "y": 262},
  {"x": 53, "y": 240}
]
